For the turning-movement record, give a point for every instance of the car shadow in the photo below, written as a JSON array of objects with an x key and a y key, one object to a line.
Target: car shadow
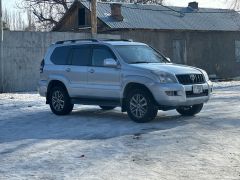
[{"x": 89, "y": 123}]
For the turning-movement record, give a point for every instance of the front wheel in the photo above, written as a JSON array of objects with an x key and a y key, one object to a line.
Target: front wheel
[
  {"x": 140, "y": 106},
  {"x": 190, "y": 110},
  {"x": 59, "y": 101}
]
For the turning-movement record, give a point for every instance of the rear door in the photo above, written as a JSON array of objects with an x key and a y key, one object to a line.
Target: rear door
[
  {"x": 103, "y": 82},
  {"x": 80, "y": 57}
]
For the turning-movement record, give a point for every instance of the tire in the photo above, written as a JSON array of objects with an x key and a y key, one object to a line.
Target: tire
[
  {"x": 107, "y": 107},
  {"x": 59, "y": 101},
  {"x": 190, "y": 110},
  {"x": 140, "y": 106}
]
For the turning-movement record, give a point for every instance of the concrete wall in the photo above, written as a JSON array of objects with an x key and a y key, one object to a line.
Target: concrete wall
[
  {"x": 22, "y": 54},
  {"x": 212, "y": 51}
]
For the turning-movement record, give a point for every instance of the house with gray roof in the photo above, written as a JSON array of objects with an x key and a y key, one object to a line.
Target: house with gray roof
[{"x": 203, "y": 37}]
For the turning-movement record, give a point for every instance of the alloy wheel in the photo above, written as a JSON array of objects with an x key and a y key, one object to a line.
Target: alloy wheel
[
  {"x": 58, "y": 100},
  {"x": 138, "y": 105}
]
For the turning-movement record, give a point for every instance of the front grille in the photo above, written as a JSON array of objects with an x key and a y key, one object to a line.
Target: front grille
[
  {"x": 190, "y": 94},
  {"x": 187, "y": 79}
]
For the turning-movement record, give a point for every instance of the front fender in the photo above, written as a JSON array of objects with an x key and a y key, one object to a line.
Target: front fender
[{"x": 146, "y": 81}]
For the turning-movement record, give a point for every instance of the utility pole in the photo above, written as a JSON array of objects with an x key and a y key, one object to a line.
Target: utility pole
[
  {"x": 94, "y": 18},
  {"x": 1, "y": 49}
]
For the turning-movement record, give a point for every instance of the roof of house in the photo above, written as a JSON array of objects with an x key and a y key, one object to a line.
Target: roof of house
[{"x": 142, "y": 16}]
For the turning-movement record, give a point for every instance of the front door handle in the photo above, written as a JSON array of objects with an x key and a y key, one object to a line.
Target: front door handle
[
  {"x": 91, "y": 71},
  {"x": 68, "y": 70}
]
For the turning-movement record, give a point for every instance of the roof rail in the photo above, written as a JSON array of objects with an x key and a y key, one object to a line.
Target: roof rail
[
  {"x": 75, "y": 40},
  {"x": 128, "y": 40}
]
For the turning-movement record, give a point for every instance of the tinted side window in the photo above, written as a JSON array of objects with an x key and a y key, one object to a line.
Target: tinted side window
[
  {"x": 60, "y": 55},
  {"x": 99, "y": 54},
  {"x": 81, "y": 56}
]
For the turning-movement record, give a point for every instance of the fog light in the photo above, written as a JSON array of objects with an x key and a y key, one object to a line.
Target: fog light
[{"x": 171, "y": 93}]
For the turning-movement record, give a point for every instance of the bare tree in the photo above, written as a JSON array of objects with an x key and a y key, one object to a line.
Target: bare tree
[
  {"x": 13, "y": 20},
  {"x": 145, "y": 1},
  {"x": 234, "y": 4},
  {"x": 31, "y": 25},
  {"x": 46, "y": 12},
  {"x": 5, "y": 26}
]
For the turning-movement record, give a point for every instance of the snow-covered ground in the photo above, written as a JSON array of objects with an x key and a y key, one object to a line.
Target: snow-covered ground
[{"x": 95, "y": 144}]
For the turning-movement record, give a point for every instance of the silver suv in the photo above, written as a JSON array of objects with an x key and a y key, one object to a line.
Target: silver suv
[{"x": 120, "y": 73}]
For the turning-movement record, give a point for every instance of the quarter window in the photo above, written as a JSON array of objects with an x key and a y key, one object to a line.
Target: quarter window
[
  {"x": 99, "y": 54},
  {"x": 60, "y": 55}
]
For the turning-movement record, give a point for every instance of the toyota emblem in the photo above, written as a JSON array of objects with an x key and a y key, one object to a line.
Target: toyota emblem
[{"x": 192, "y": 77}]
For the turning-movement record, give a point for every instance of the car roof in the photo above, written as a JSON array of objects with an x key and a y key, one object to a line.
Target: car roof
[
  {"x": 89, "y": 41},
  {"x": 123, "y": 43}
]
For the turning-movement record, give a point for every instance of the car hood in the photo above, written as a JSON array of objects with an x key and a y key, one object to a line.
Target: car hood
[{"x": 169, "y": 67}]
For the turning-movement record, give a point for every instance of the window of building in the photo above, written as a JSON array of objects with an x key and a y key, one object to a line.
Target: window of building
[
  {"x": 80, "y": 56},
  {"x": 81, "y": 17},
  {"x": 237, "y": 51}
]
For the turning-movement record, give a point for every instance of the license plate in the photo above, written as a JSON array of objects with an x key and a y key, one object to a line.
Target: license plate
[{"x": 197, "y": 89}]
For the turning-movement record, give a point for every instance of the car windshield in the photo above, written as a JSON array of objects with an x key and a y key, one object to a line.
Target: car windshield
[{"x": 133, "y": 54}]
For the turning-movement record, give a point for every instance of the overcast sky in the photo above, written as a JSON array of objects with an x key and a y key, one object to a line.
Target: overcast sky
[
  {"x": 202, "y": 3},
  {"x": 8, "y": 3}
]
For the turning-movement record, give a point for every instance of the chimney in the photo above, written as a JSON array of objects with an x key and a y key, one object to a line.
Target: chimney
[
  {"x": 116, "y": 11},
  {"x": 193, "y": 5}
]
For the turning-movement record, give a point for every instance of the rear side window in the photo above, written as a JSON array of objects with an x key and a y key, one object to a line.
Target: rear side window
[
  {"x": 60, "y": 55},
  {"x": 99, "y": 54},
  {"x": 80, "y": 56}
]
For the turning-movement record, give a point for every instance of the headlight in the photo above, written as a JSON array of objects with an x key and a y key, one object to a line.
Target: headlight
[
  {"x": 165, "y": 77},
  {"x": 205, "y": 75}
]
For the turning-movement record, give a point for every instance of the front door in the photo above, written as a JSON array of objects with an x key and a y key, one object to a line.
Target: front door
[{"x": 103, "y": 82}]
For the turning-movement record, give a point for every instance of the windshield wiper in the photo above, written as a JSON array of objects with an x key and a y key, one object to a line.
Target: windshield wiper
[{"x": 139, "y": 62}]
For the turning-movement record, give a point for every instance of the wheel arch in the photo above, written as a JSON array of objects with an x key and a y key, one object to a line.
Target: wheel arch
[{"x": 131, "y": 86}]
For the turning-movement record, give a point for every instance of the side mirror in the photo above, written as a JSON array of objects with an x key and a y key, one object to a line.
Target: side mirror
[
  {"x": 168, "y": 59},
  {"x": 109, "y": 62}
]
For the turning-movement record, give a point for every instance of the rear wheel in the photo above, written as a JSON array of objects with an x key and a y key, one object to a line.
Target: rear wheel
[
  {"x": 190, "y": 110},
  {"x": 140, "y": 106},
  {"x": 59, "y": 101},
  {"x": 107, "y": 107}
]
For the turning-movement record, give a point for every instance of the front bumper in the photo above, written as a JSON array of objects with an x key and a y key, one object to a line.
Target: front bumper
[{"x": 181, "y": 96}]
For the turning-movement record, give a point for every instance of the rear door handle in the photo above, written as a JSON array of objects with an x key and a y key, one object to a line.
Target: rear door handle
[
  {"x": 68, "y": 69},
  {"x": 91, "y": 71}
]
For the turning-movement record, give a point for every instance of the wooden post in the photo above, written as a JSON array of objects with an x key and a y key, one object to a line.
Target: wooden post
[{"x": 94, "y": 18}]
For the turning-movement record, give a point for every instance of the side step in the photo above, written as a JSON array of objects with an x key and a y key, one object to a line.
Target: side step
[{"x": 100, "y": 102}]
